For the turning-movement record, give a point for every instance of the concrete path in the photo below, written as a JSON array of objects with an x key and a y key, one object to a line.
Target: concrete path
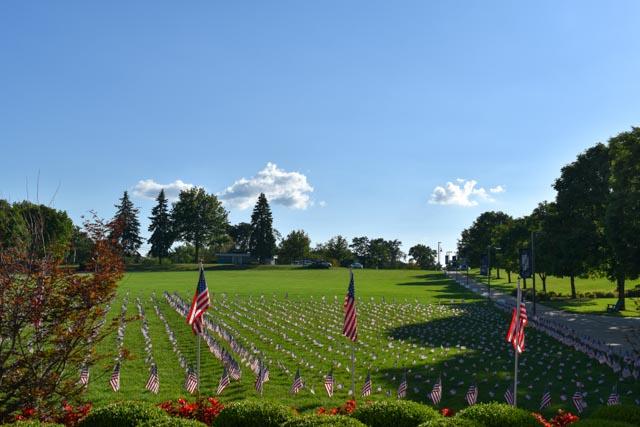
[{"x": 622, "y": 334}]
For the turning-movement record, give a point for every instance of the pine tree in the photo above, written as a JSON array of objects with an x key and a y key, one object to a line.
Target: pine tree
[
  {"x": 263, "y": 241},
  {"x": 127, "y": 220},
  {"x": 161, "y": 231}
]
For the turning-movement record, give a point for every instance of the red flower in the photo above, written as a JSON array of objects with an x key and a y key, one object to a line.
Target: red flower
[{"x": 447, "y": 412}]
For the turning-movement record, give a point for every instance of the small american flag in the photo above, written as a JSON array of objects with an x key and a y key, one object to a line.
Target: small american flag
[
  {"x": 578, "y": 401},
  {"x": 328, "y": 383},
  {"x": 515, "y": 335},
  {"x": 191, "y": 383},
  {"x": 263, "y": 376},
  {"x": 153, "y": 383},
  {"x": 199, "y": 304},
  {"x": 545, "y": 401},
  {"x": 114, "y": 381},
  {"x": 84, "y": 375},
  {"x": 614, "y": 397},
  {"x": 508, "y": 396},
  {"x": 366, "y": 388},
  {"x": 472, "y": 395},
  {"x": 402, "y": 388},
  {"x": 224, "y": 381},
  {"x": 350, "y": 328},
  {"x": 297, "y": 383},
  {"x": 436, "y": 392}
]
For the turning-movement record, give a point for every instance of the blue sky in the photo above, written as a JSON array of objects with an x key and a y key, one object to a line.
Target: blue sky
[{"x": 373, "y": 105}]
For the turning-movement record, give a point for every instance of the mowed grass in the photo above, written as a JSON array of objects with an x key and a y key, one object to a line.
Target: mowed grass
[
  {"x": 562, "y": 286},
  {"x": 410, "y": 321}
]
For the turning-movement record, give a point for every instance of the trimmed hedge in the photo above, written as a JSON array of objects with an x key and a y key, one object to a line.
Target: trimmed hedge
[
  {"x": 323, "y": 421},
  {"x": 498, "y": 415},
  {"x": 397, "y": 413},
  {"x": 123, "y": 414},
  {"x": 451, "y": 422},
  {"x": 625, "y": 413},
  {"x": 251, "y": 413},
  {"x": 170, "y": 421},
  {"x": 593, "y": 422}
]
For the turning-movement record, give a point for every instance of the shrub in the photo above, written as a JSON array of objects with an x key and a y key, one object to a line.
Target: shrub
[
  {"x": 34, "y": 423},
  {"x": 253, "y": 413},
  {"x": 592, "y": 422},
  {"x": 323, "y": 421},
  {"x": 625, "y": 413},
  {"x": 123, "y": 414},
  {"x": 205, "y": 410},
  {"x": 397, "y": 413},
  {"x": 450, "y": 422},
  {"x": 498, "y": 414},
  {"x": 172, "y": 422}
]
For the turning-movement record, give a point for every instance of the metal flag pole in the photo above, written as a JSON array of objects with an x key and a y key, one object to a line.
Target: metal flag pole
[
  {"x": 515, "y": 369},
  {"x": 198, "y": 344},
  {"x": 353, "y": 369}
]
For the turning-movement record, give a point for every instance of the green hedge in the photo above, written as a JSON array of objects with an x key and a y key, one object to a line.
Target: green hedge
[
  {"x": 451, "y": 422},
  {"x": 172, "y": 422},
  {"x": 323, "y": 421},
  {"x": 498, "y": 415},
  {"x": 396, "y": 413},
  {"x": 593, "y": 422},
  {"x": 33, "y": 423},
  {"x": 251, "y": 413},
  {"x": 625, "y": 413},
  {"x": 123, "y": 414}
]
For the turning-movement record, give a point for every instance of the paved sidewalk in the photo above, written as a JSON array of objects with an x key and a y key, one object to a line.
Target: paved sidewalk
[{"x": 622, "y": 334}]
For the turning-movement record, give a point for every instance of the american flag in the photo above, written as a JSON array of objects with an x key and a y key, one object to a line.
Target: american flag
[
  {"x": 263, "y": 376},
  {"x": 297, "y": 383},
  {"x": 350, "y": 328},
  {"x": 545, "y": 401},
  {"x": 614, "y": 397},
  {"x": 472, "y": 395},
  {"x": 153, "y": 383},
  {"x": 578, "y": 401},
  {"x": 508, "y": 396},
  {"x": 328, "y": 383},
  {"x": 115, "y": 378},
  {"x": 199, "y": 304},
  {"x": 515, "y": 335},
  {"x": 402, "y": 388},
  {"x": 84, "y": 375},
  {"x": 191, "y": 382},
  {"x": 436, "y": 392},
  {"x": 366, "y": 388},
  {"x": 224, "y": 381}
]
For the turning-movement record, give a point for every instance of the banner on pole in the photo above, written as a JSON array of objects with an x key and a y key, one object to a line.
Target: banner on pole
[
  {"x": 526, "y": 265},
  {"x": 484, "y": 265}
]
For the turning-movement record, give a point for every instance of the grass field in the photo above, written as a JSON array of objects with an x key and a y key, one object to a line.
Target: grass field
[
  {"x": 410, "y": 321},
  {"x": 562, "y": 285}
]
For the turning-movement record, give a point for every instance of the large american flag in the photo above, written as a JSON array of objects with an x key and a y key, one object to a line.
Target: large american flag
[
  {"x": 366, "y": 388},
  {"x": 191, "y": 382},
  {"x": 224, "y": 381},
  {"x": 114, "y": 381},
  {"x": 153, "y": 383},
  {"x": 350, "y": 328},
  {"x": 297, "y": 383},
  {"x": 436, "y": 392},
  {"x": 472, "y": 395},
  {"x": 199, "y": 304},
  {"x": 402, "y": 388},
  {"x": 515, "y": 335},
  {"x": 328, "y": 383}
]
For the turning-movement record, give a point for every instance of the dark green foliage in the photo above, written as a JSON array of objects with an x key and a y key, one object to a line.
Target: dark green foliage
[
  {"x": 241, "y": 236},
  {"x": 263, "y": 242},
  {"x": 397, "y": 413},
  {"x": 128, "y": 226},
  {"x": 81, "y": 248},
  {"x": 451, "y": 422},
  {"x": 13, "y": 229},
  {"x": 169, "y": 421},
  {"x": 294, "y": 247},
  {"x": 592, "y": 422},
  {"x": 424, "y": 256},
  {"x": 474, "y": 240},
  {"x": 250, "y": 413},
  {"x": 323, "y": 420},
  {"x": 624, "y": 413},
  {"x": 47, "y": 230},
  {"x": 337, "y": 248},
  {"x": 161, "y": 229},
  {"x": 498, "y": 415},
  {"x": 124, "y": 414},
  {"x": 33, "y": 423}
]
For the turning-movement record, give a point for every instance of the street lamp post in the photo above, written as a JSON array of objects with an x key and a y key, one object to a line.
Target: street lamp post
[
  {"x": 489, "y": 268},
  {"x": 533, "y": 270},
  {"x": 439, "y": 250}
]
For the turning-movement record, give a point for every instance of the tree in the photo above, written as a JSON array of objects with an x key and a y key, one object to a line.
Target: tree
[
  {"x": 511, "y": 236},
  {"x": 622, "y": 222},
  {"x": 263, "y": 240},
  {"x": 13, "y": 229},
  {"x": 544, "y": 247},
  {"x": 394, "y": 251},
  {"x": 378, "y": 252},
  {"x": 198, "y": 218},
  {"x": 49, "y": 230},
  {"x": 474, "y": 240},
  {"x": 360, "y": 248},
  {"x": 241, "y": 236},
  {"x": 161, "y": 229},
  {"x": 80, "y": 249},
  {"x": 51, "y": 320},
  {"x": 294, "y": 247},
  {"x": 424, "y": 256},
  {"x": 337, "y": 248},
  {"x": 127, "y": 219}
]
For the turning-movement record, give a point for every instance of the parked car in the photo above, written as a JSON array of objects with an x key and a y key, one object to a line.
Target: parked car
[
  {"x": 319, "y": 264},
  {"x": 356, "y": 265}
]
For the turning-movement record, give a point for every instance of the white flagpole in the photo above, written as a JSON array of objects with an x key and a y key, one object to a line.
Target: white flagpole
[
  {"x": 515, "y": 369},
  {"x": 198, "y": 343},
  {"x": 353, "y": 369}
]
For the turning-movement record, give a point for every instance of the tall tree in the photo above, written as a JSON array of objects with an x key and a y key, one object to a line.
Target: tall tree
[
  {"x": 80, "y": 249},
  {"x": 241, "y": 236},
  {"x": 263, "y": 240},
  {"x": 424, "y": 256},
  {"x": 395, "y": 253},
  {"x": 13, "y": 229},
  {"x": 360, "y": 248},
  {"x": 378, "y": 252},
  {"x": 338, "y": 248},
  {"x": 475, "y": 240},
  {"x": 49, "y": 230},
  {"x": 198, "y": 218},
  {"x": 294, "y": 247},
  {"x": 622, "y": 225},
  {"x": 540, "y": 221},
  {"x": 126, "y": 219},
  {"x": 510, "y": 237},
  {"x": 161, "y": 229}
]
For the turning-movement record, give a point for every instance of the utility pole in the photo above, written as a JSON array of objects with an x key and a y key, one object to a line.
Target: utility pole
[{"x": 439, "y": 250}]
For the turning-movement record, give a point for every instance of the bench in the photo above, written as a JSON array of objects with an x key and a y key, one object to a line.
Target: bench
[{"x": 614, "y": 308}]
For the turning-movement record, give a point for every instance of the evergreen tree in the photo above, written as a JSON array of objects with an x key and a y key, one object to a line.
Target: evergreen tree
[
  {"x": 161, "y": 230},
  {"x": 127, "y": 220},
  {"x": 263, "y": 241}
]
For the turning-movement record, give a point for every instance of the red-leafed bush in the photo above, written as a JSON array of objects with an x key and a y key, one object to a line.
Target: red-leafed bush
[
  {"x": 67, "y": 415},
  {"x": 205, "y": 410},
  {"x": 561, "y": 419},
  {"x": 346, "y": 409},
  {"x": 447, "y": 412}
]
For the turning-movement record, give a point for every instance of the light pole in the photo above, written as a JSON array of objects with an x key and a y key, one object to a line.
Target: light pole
[
  {"x": 489, "y": 268},
  {"x": 533, "y": 270},
  {"x": 439, "y": 250}
]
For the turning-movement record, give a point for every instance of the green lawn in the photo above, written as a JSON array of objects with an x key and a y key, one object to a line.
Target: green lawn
[{"x": 409, "y": 321}]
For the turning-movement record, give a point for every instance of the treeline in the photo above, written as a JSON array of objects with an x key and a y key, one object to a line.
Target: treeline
[{"x": 591, "y": 229}]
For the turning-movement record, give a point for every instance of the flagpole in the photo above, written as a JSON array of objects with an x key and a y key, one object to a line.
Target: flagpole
[
  {"x": 198, "y": 348},
  {"x": 353, "y": 369},
  {"x": 515, "y": 369}
]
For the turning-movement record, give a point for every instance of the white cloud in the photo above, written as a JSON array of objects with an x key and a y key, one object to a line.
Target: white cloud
[
  {"x": 322, "y": 203},
  {"x": 463, "y": 193},
  {"x": 290, "y": 189},
  {"x": 149, "y": 189}
]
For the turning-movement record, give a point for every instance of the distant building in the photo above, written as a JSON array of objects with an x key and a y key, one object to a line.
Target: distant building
[{"x": 234, "y": 258}]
